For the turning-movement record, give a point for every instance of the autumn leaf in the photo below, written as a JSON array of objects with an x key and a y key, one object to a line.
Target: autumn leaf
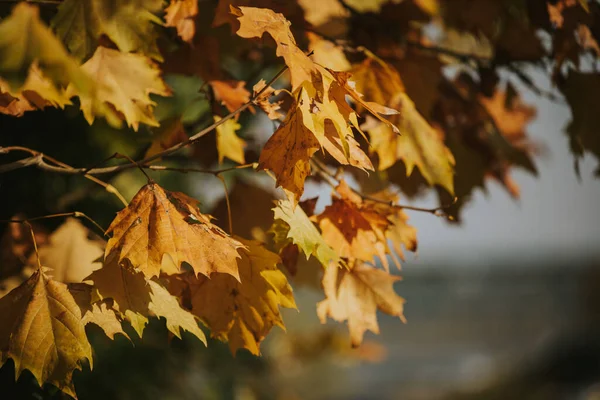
[
  {"x": 36, "y": 93},
  {"x": 327, "y": 53},
  {"x": 353, "y": 229},
  {"x": 25, "y": 40},
  {"x": 262, "y": 100},
  {"x": 244, "y": 313},
  {"x": 160, "y": 230},
  {"x": 254, "y": 22},
  {"x": 127, "y": 23},
  {"x": 228, "y": 143},
  {"x": 579, "y": 90},
  {"x": 293, "y": 225},
  {"x": 138, "y": 299},
  {"x": 181, "y": 14},
  {"x": 231, "y": 94},
  {"x": 42, "y": 331},
  {"x": 99, "y": 313},
  {"x": 355, "y": 295},
  {"x": 288, "y": 151},
  {"x": 125, "y": 82},
  {"x": 418, "y": 145},
  {"x": 70, "y": 254}
]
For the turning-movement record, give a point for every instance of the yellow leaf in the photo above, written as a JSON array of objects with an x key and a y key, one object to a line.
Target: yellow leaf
[
  {"x": 181, "y": 14},
  {"x": 42, "y": 331},
  {"x": 160, "y": 230},
  {"x": 138, "y": 299},
  {"x": 377, "y": 80},
  {"x": 355, "y": 230},
  {"x": 418, "y": 145},
  {"x": 25, "y": 40},
  {"x": 288, "y": 151},
  {"x": 355, "y": 295},
  {"x": 100, "y": 313},
  {"x": 271, "y": 109},
  {"x": 292, "y": 224},
  {"x": 327, "y": 53},
  {"x": 127, "y": 23},
  {"x": 69, "y": 253},
  {"x": 125, "y": 82},
  {"x": 254, "y": 22},
  {"x": 244, "y": 313},
  {"x": 228, "y": 143}
]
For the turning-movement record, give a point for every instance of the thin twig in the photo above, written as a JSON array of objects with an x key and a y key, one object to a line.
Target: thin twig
[
  {"x": 330, "y": 178},
  {"x": 40, "y": 163},
  {"x": 230, "y": 220},
  {"x": 35, "y": 247},
  {"x": 37, "y": 159},
  {"x": 76, "y": 214},
  {"x": 199, "y": 170}
]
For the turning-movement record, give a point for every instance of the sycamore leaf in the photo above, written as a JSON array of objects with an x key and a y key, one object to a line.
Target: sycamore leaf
[
  {"x": 419, "y": 145},
  {"x": 288, "y": 151},
  {"x": 25, "y": 40},
  {"x": 100, "y": 313},
  {"x": 181, "y": 14},
  {"x": 232, "y": 94},
  {"x": 254, "y": 22},
  {"x": 69, "y": 253},
  {"x": 327, "y": 53},
  {"x": 244, "y": 313},
  {"x": 228, "y": 143},
  {"x": 42, "y": 331},
  {"x": 160, "y": 230},
  {"x": 292, "y": 223},
  {"x": 125, "y": 82},
  {"x": 36, "y": 93},
  {"x": 271, "y": 109},
  {"x": 354, "y": 229},
  {"x": 127, "y": 23},
  {"x": 579, "y": 90},
  {"x": 137, "y": 299},
  {"x": 163, "y": 304},
  {"x": 354, "y": 295}
]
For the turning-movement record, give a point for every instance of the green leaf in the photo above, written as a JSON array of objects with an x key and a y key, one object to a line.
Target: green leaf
[{"x": 293, "y": 223}]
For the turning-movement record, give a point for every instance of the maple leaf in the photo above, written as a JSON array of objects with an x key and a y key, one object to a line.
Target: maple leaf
[
  {"x": 579, "y": 90},
  {"x": 228, "y": 143},
  {"x": 254, "y": 22},
  {"x": 100, "y": 313},
  {"x": 293, "y": 225},
  {"x": 327, "y": 53},
  {"x": 159, "y": 230},
  {"x": 181, "y": 14},
  {"x": 25, "y": 40},
  {"x": 354, "y": 229},
  {"x": 127, "y": 23},
  {"x": 244, "y": 313},
  {"x": 418, "y": 143},
  {"x": 288, "y": 151},
  {"x": 355, "y": 295},
  {"x": 271, "y": 109},
  {"x": 125, "y": 82},
  {"x": 69, "y": 252},
  {"x": 137, "y": 299},
  {"x": 42, "y": 331},
  {"x": 36, "y": 93},
  {"x": 231, "y": 94}
]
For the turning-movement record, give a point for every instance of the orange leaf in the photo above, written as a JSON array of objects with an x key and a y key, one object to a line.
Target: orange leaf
[{"x": 159, "y": 230}]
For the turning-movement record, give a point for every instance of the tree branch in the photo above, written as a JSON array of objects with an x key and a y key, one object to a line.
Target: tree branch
[
  {"x": 331, "y": 179},
  {"x": 41, "y": 164}
]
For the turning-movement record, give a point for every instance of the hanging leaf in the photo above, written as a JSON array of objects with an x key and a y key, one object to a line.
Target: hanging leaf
[
  {"x": 228, "y": 143},
  {"x": 42, "y": 331}
]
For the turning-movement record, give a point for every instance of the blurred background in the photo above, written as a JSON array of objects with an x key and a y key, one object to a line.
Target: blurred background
[{"x": 504, "y": 305}]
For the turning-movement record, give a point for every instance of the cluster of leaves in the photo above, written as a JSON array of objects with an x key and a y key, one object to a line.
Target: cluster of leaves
[{"x": 369, "y": 99}]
